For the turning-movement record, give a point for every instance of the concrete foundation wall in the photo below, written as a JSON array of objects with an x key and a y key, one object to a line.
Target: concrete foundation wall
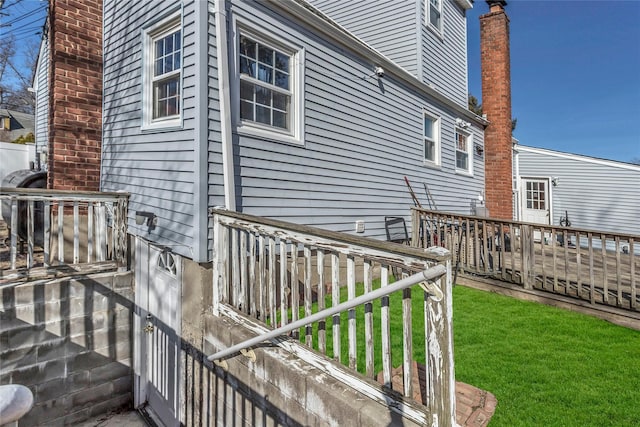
[
  {"x": 278, "y": 389},
  {"x": 70, "y": 341}
]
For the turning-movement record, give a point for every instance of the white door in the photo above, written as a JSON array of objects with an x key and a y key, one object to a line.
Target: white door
[
  {"x": 535, "y": 200},
  {"x": 158, "y": 277}
]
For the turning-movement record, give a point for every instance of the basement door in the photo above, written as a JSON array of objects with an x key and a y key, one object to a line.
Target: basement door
[
  {"x": 535, "y": 200},
  {"x": 158, "y": 278}
]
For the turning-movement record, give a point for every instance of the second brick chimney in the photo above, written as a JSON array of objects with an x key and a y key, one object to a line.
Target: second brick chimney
[
  {"x": 75, "y": 97},
  {"x": 496, "y": 104}
]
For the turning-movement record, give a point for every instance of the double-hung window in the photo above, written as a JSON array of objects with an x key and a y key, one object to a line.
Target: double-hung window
[
  {"x": 270, "y": 97},
  {"x": 163, "y": 54},
  {"x": 463, "y": 143},
  {"x": 431, "y": 139},
  {"x": 434, "y": 15}
]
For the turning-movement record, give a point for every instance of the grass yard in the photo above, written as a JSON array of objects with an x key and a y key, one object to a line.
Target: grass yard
[{"x": 546, "y": 366}]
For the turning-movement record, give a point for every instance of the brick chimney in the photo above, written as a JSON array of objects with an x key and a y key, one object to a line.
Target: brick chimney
[
  {"x": 496, "y": 104},
  {"x": 75, "y": 94}
]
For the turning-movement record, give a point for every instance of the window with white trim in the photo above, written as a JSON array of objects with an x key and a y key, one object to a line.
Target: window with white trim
[
  {"x": 270, "y": 93},
  {"x": 463, "y": 143},
  {"x": 431, "y": 139},
  {"x": 434, "y": 15},
  {"x": 163, "y": 70}
]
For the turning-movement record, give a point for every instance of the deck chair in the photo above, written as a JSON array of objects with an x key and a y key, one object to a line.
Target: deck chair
[{"x": 396, "y": 230}]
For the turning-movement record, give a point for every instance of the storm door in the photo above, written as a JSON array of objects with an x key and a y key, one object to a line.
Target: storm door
[{"x": 158, "y": 279}]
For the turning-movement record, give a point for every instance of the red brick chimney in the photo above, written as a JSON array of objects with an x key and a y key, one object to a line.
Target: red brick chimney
[
  {"x": 75, "y": 94},
  {"x": 496, "y": 104}
]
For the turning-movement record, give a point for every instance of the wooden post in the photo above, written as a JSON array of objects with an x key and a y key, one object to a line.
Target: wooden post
[
  {"x": 439, "y": 353},
  {"x": 47, "y": 233},
  {"x": 335, "y": 300},
  {"x": 527, "y": 261},
  {"x": 220, "y": 237},
  {"x": 632, "y": 260},
  {"x": 385, "y": 329},
  {"x": 368, "y": 322},
  {"x": 322, "y": 325},
  {"x": 351, "y": 294},
  {"x": 76, "y": 232}
]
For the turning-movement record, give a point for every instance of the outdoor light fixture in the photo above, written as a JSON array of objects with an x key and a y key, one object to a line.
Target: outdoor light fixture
[
  {"x": 479, "y": 150},
  {"x": 377, "y": 72},
  {"x": 554, "y": 181},
  {"x": 147, "y": 217},
  {"x": 462, "y": 124}
]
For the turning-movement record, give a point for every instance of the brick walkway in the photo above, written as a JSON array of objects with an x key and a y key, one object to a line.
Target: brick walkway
[{"x": 474, "y": 407}]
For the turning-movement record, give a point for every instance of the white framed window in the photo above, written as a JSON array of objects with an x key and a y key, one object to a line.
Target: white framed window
[
  {"x": 162, "y": 75},
  {"x": 269, "y": 86},
  {"x": 464, "y": 144},
  {"x": 431, "y": 139},
  {"x": 434, "y": 14}
]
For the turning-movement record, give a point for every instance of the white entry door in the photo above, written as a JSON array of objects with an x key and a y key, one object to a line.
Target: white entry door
[
  {"x": 535, "y": 200},
  {"x": 158, "y": 278}
]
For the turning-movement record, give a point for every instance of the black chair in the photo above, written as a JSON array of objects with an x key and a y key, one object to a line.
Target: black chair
[{"x": 396, "y": 229}]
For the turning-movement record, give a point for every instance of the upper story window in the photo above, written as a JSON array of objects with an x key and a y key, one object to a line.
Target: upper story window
[
  {"x": 270, "y": 93},
  {"x": 464, "y": 144},
  {"x": 162, "y": 79},
  {"x": 431, "y": 139},
  {"x": 434, "y": 15}
]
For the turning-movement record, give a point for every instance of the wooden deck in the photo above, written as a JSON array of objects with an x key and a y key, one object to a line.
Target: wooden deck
[{"x": 597, "y": 267}]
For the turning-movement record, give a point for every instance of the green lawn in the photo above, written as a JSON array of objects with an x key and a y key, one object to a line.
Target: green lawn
[{"x": 546, "y": 366}]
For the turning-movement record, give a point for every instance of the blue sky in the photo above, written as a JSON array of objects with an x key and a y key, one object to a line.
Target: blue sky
[
  {"x": 23, "y": 20},
  {"x": 575, "y": 68}
]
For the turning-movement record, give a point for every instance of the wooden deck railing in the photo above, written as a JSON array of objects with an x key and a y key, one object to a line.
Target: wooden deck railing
[
  {"x": 69, "y": 227},
  {"x": 599, "y": 267},
  {"x": 279, "y": 272}
]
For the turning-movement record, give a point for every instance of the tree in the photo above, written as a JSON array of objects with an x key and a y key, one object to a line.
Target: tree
[
  {"x": 15, "y": 79},
  {"x": 476, "y": 108}
]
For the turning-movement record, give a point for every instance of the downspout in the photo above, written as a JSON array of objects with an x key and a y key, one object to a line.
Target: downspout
[
  {"x": 516, "y": 164},
  {"x": 225, "y": 105},
  {"x": 201, "y": 134}
]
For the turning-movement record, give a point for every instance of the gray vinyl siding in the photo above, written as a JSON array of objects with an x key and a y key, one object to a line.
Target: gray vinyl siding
[
  {"x": 444, "y": 57},
  {"x": 398, "y": 30},
  {"x": 387, "y": 26},
  {"x": 360, "y": 141},
  {"x": 156, "y": 167},
  {"x": 42, "y": 97},
  {"x": 597, "y": 194}
]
